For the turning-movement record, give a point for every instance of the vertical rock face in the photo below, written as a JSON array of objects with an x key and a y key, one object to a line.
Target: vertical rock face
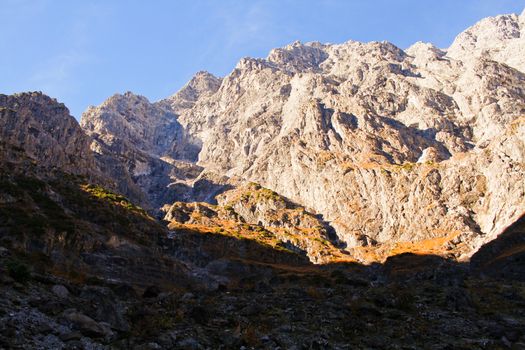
[
  {"x": 203, "y": 84},
  {"x": 387, "y": 145},
  {"x": 500, "y": 38},
  {"x": 143, "y": 145},
  {"x": 133, "y": 121},
  {"x": 46, "y": 132}
]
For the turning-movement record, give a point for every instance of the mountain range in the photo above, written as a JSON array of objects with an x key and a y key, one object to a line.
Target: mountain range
[{"x": 331, "y": 177}]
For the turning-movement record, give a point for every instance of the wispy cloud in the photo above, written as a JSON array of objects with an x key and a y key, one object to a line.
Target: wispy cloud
[
  {"x": 246, "y": 23},
  {"x": 58, "y": 74}
]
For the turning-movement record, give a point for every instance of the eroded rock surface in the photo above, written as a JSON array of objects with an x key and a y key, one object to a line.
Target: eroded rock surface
[
  {"x": 287, "y": 175},
  {"x": 143, "y": 146},
  {"x": 42, "y": 128},
  {"x": 259, "y": 214},
  {"x": 386, "y": 145}
]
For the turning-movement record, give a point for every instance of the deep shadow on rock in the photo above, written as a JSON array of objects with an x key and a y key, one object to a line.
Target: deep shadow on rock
[
  {"x": 133, "y": 284},
  {"x": 503, "y": 257}
]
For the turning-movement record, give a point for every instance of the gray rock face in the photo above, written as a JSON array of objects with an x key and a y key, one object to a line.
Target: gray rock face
[
  {"x": 137, "y": 142},
  {"x": 133, "y": 121},
  {"x": 46, "y": 132},
  {"x": 387, "y": 145},
  {"x": 202, "y": 85},
  {"x": 499, "y": 38},
  {"x": 60, "y": 291},
  {"x": 87, "y": 325}
]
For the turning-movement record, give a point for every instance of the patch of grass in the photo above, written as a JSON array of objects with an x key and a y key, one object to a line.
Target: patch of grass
[
  {"x": 245, "y": 197},
  {"x": 219, "y": 230},
  {"x": 30, "y": 183},
  {"x": 408, "y": 166},
  {"x": 10, "y": 187},
  {"x": 18, "y": 271},
  {"x": 280, "y": 246},
  {"x": 268, "y": 194},
  {"x": 254, "y": 186},
  {"x": 385, "y": 171},
  {"x": 106, "y": 195},
  {"x": 322, "y": 241}
]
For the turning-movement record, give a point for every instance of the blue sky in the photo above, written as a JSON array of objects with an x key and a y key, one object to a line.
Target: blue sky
[{"x": 82, "y": 52}]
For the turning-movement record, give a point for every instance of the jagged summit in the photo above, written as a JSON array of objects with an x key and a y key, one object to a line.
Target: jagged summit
[
  {"x": 500, "y": 38},
  {"x": 422, "y": 47},
  {"x": 365, "y": 187},
  {"x": 374, "y": 138},
  {"x": 201, "y": 85}
]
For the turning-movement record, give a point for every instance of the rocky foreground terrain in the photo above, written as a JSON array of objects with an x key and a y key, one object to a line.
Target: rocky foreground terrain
[{"x": 351, "y": 196}]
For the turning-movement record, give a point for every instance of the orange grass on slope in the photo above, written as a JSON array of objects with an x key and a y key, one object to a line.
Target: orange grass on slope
[{"x": 431, "y": 246}]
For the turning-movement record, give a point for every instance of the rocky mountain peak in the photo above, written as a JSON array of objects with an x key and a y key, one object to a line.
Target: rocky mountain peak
[
  {"x": 133, "y": 119},
  {"x": 427, "y": 49},
  {"x": 501, "y": 38},
  {"x": 400, "y": 172},
  {"x": 298, "y": 57},
  {"x": 349, "y": 131},
  {"x": 45, "y": 131},
  {"x": 202, "y": 85}
]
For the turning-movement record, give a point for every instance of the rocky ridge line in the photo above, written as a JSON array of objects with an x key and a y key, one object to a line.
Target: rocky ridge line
[{"x": 387, "y": 145}]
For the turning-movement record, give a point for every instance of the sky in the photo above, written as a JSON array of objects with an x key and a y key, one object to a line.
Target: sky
[{"x": 82, "y": 52}]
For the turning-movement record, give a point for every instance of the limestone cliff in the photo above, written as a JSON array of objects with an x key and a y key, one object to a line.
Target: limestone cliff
[
  {"x": 387, "y": 145},
  {"x": 278, "y": 185},
  {"x": 137, "y": 142},
  {"x": 43, "y": 129}
]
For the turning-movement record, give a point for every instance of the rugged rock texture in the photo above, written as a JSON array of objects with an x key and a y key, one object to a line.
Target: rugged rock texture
[
  {"x": 43, "y": 129},
  {"x": 137, "y": 143},
  {"x": 342, "y": 139},
  {"x": 499, "y": 38},
  {"x": 412, "y": 158},
  {"x": 387, "y": 145},
  {"x": 256, "y": 213},
  {"x": 82, "y": 267},
  {"x": 64, "y": 224},
  {"x": 202, "y": 85}
]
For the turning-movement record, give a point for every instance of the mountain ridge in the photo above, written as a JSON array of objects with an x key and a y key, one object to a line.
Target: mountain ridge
[
  {"x": 296, "y": 108},
  {"x": 357, "y": 113},
  {"x": 327, "y": 197}
]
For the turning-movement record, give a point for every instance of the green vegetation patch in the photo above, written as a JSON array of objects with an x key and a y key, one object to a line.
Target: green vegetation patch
[
  {"x": 18, "y": 271},
  {"x": 32, "y": 211},
  {"x": 106, "y": 195}
]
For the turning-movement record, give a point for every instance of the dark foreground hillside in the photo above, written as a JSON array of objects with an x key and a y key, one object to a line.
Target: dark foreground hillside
[
  {"x": 347, "y": 196},
  {"x": 83, "y": 268}
]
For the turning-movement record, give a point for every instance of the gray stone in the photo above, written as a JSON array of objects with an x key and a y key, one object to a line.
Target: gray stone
[
  {"x": 70, "y": 336},
  {"x": 189, "y": 344},
  {"x": 86, "y": 325},
  {"x": 60, "y": 291}
]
